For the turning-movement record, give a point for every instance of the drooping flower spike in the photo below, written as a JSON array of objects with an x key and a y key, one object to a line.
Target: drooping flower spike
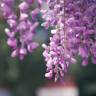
[
  {"x": 73, "y": 32},
  {"x": 21, "y": 30},
  {"x": 74, "y": 23}
]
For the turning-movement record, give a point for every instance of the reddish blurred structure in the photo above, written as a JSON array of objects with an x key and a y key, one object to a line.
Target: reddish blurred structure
[{"x": 68, "y": 88}]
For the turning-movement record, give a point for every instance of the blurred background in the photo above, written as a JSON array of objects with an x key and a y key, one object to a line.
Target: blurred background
[{"x": 26, "y": 78}]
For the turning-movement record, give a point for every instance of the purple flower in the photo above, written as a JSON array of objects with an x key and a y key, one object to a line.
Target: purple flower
[
  {"x": 12, "y": 42},
  {"x": 74, "y": 34},
  {"x": 21, "y": 29},
  {"x": 23, "y": 6}
]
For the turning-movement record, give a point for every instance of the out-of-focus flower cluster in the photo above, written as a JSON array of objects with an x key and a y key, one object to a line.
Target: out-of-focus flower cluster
[
  {"x": 74, "y": 33},
  {"x": 21, "y": 26}
]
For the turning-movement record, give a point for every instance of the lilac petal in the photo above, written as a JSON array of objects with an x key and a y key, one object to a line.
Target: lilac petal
[
  {"x": 8, "y": 2},
  {"x": 24, "y": 6},
  {"x": 12, "y": 43},
  {"x": 49, "y": 74},
  {"x": 34, "y": 13},
  {"x": 22, "y": 51},
  {"x": 83, "y": 52},
  {"x": 35, "y": 25},
  {"x": 23, "y": 16},
  {"x": 30, "y": 1},
  {"x": 32, "y": 46},
  {"x": 12, "y": 22},
  {"x": 14, "y": 53},
  {"x": 84, "y": 62},
  {"x": 8, "y": 33}
]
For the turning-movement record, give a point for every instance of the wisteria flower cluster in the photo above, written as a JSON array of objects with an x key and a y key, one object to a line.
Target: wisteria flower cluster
[
  {"x": 21, "y": 28},
  {"x": 73, "y": 32}
]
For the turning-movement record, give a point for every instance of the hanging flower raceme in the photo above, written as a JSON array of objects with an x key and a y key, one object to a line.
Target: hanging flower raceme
[
  {"x": 56, "y": 54},
  {"x": 82, "y": 27},
  {"x": 74, "y": 23},
  {"x": 73, "y": 32},
  {"x": 21, "y": 30}
]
